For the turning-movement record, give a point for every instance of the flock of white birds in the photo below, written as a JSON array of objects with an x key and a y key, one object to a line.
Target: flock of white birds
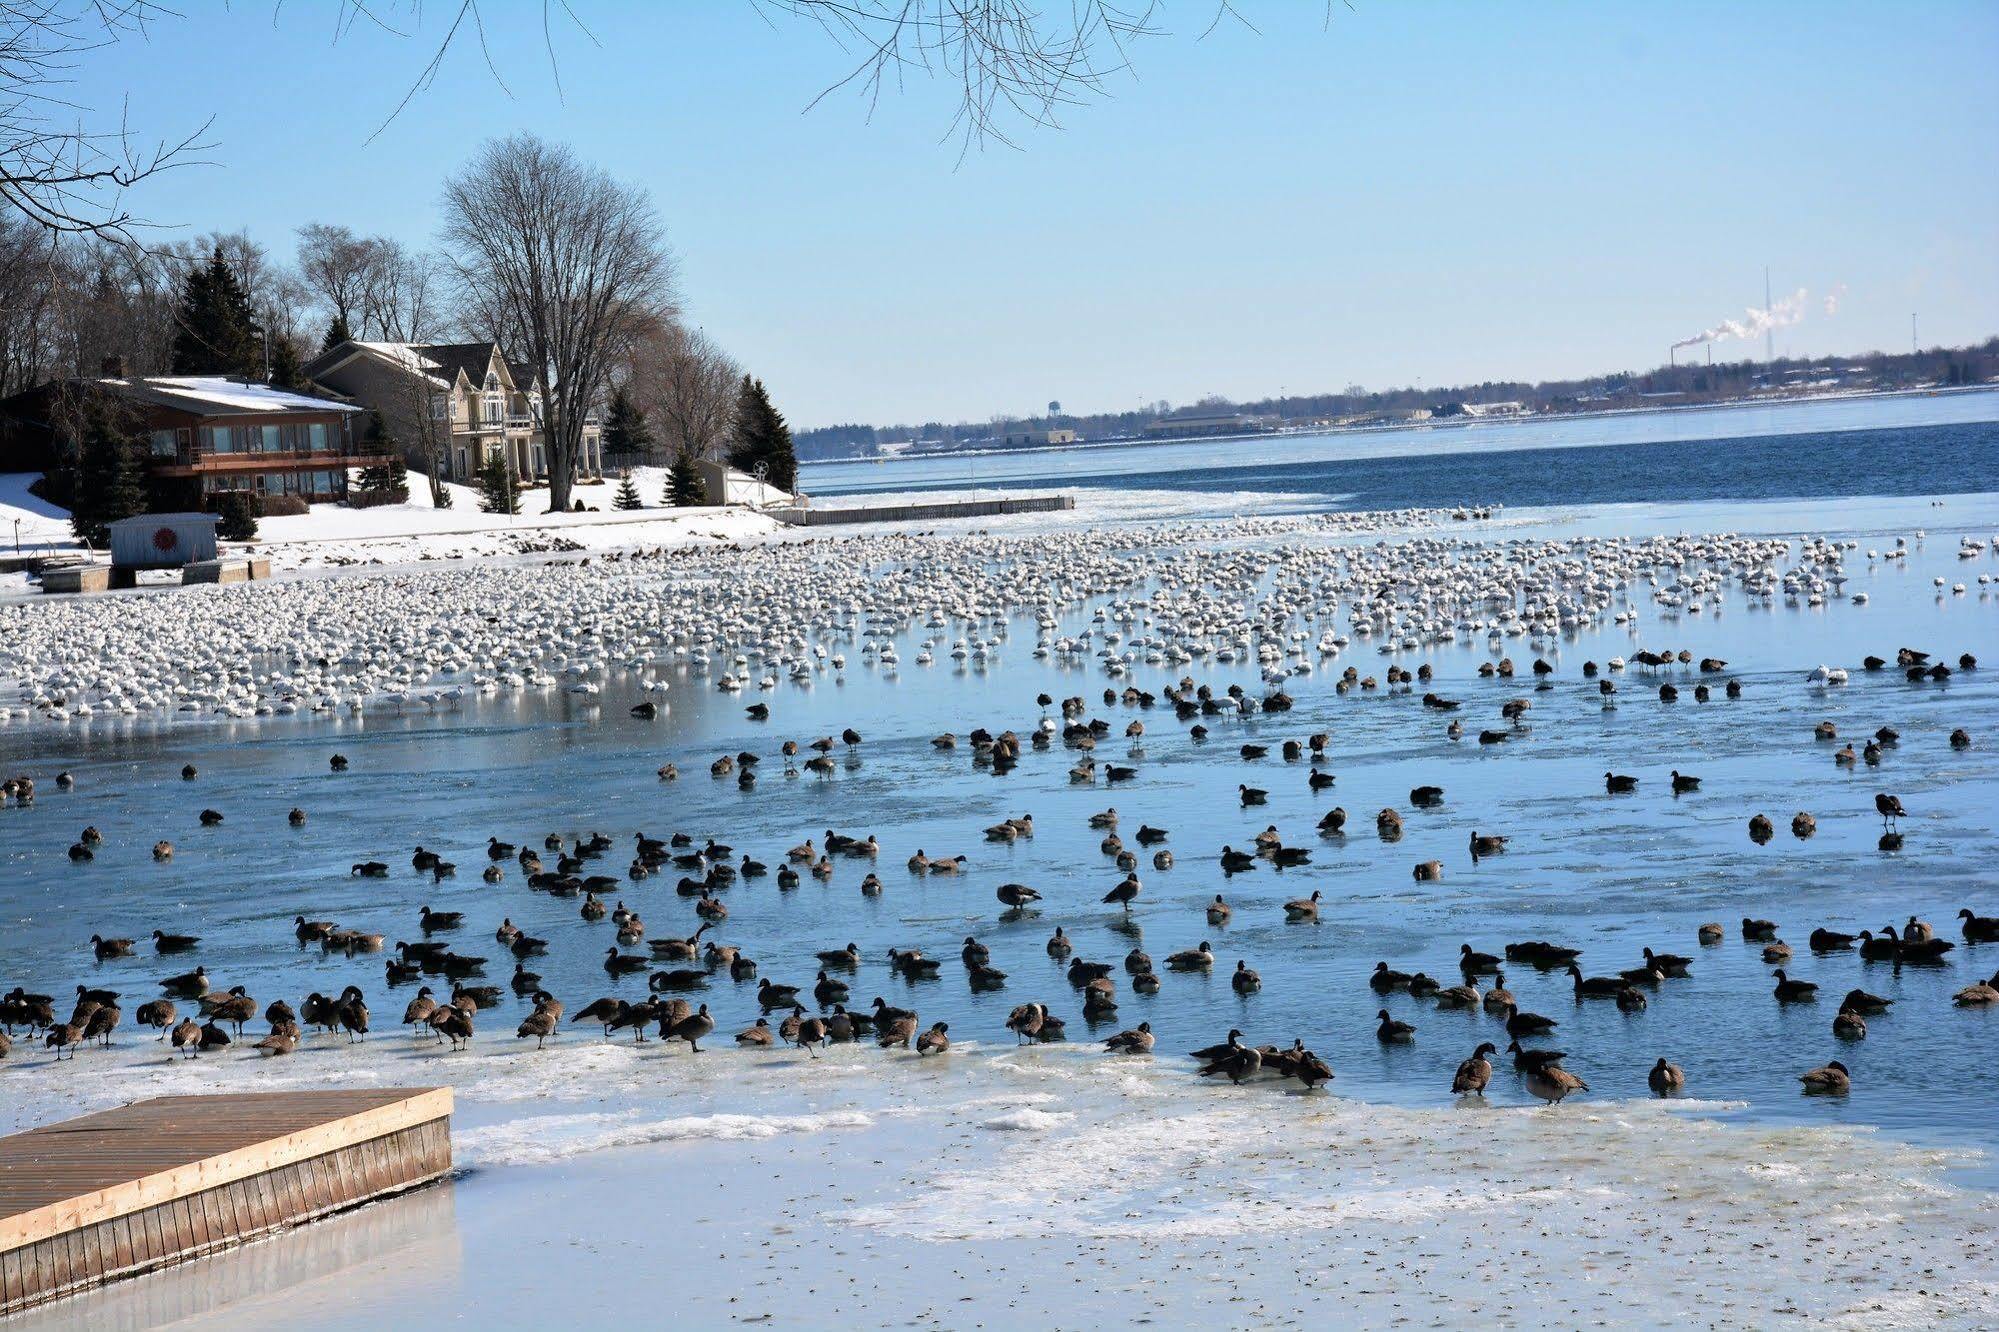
[{"x": 1284, "y": 594}]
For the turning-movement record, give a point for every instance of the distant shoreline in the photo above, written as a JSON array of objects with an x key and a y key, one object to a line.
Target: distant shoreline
[{"x": 1412, "y": 427}]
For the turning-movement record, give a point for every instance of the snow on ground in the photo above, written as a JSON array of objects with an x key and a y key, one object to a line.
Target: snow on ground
[{"x": 39, "y": 521}]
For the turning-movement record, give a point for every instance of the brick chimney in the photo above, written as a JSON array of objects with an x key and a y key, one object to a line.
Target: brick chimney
[{"x": 112, "y": 367}]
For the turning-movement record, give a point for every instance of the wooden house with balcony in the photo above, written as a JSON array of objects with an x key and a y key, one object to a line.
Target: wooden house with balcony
[
  {"x": 463, "y": 402},
  {"x": 211, "y": 433}
]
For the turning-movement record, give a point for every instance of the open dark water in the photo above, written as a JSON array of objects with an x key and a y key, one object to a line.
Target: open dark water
[{"x": 1920, "y": 446}]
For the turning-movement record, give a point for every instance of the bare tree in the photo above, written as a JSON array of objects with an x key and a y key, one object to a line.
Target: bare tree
[
  {"x": 687, "y": 386},
  {"x": 403, "y": 295},
  {"x": 563, "y": 266},
  {"x": 334, "y": 264}
]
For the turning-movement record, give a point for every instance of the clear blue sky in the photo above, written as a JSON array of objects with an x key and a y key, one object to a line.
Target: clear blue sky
[{"x": 1402, "y": 194}]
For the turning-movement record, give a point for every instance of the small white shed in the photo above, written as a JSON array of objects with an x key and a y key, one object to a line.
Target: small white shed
[{"x": 162, "y": 540}]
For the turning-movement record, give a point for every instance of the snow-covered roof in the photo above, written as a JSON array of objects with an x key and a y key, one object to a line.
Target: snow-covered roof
[{"x": 216, "y": 395}]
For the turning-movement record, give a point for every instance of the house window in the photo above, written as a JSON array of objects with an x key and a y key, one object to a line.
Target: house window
[
  {"x": 163, "y": 444},
  {"x": 316, "y": 433},
  {"x": 496, "y": 410},
  {"x": 221, "y": 439},
  {"x": 274, "y": 439},
  {"x": 461, "y": 460},
  {"x": 440, "y": 408}
]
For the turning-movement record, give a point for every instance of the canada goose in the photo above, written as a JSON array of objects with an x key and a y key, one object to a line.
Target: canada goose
[
  {"x": 1526, "y": 1024},
  {"x": 1710, "y": 933},
  {"x": 1860, "y": 1001},
  {"x": 1761, "y": 830},
  {"x": 1849, "y": 1025},
  {"x": 419, "y": 1009},
  {"x": 1666, "y": 1079},
  {"x": 758, "y": 1034},
  {"x": 1667, "y": 964},
  {"x": 1429, "y": 871},
  {"x": 900, "y": 1030},
  {"x": 1423, "y": 986},
  {"x": 1487, "y": 845},
  {"x": 620, "y": 964},
  {"x": 1917, "y": 931},
  {"x": 1245, "y": 981},
  {"x": 1388, "y": 824},
  {"x": 1059, "y": 945},
  {"x": 1199, "y": 958},
  {"x": 1830, "y": 941},
  {"x": 433, "y": 922},
  {"x": 1251, "y": 795},
  {"x": 1980, "y": 994},
  {"x": 1754, "y": 931},
  {"x": 1138, "y": 1040},
  {"x": 1776, "y": 951},
  {"x": 1474, "y": 1073},
  {"x": 1977, "y": 928},
  {"x": 1552, "y": 1082},
  {"x": 1219, "y": 911},
  {"x": 369, "y": 869},
  {"x": 1123, "y": 894},
  {"x": 1460, "y": 996},
  {"x": 1831, "y": 1080},
  {"x": 453, "y": 1023},
  {"x": 1236, "y": 1062},
  {"x": 848, "y": 958},
  {"x": 1889, "y": 808},
  {"x": 1471, "y": 962},
  {"x": 771, "y": 995},
  {"x": 1960, "y": 739},
  {"x": 1235, "y": 862},
  {"x": 158, "y": 1014},
  {"x": 189, "y": 985},
  {"x": 64, "y": 1036},
  {"x": 1333, "y": 823},
  {"x": 934, "y": 1041},
  {"x": 1614, "y": 783},
  {"x": 1790, "y": 991},
  {"x": 1298, "y": 908},
  {"x": 1919, "y": 951},
  {"x": 1392, "y": 1031},
  {"x": 186, "y": 1035},
  {"x": 105, "y": 949},
  {"x": 693, "y": 1028},
  {"x": 1803, "y": 825}
]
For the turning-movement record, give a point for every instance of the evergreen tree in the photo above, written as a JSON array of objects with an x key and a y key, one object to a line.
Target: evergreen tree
[
  {"x": 684, "y": 487},
  {"x": 336, "y": 333},
  {"x": 497, "y": 493},
  {"x": 385, "y": 474},
  {"x": 212, "y": 326},
  {"x": 627, "y": 435},
  {"x": 108, "y": 482},
  {"x": 762, "y": 438},
  {"x": 628, "y": 495},
  {"x": 286, "y": 372},
  {"x": 238, "y": 509}
]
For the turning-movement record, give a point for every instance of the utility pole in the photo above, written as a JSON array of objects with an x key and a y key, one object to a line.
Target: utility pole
[{"x": 1913, "y": 350}]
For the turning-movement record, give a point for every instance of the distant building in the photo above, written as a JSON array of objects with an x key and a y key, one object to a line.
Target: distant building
[
  {"x": 1191, "y": 427},
  {"x": 1032, "y": 437},
  {"x": 1489, "y": 409},
  {"x": 465, "y": 398},
  {"x": 213, "y": 433}
]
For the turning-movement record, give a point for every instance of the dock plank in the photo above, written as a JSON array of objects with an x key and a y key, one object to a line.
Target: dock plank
[{"x": 157, "y": 1181}]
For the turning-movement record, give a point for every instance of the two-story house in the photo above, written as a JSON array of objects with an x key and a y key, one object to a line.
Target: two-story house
[
  {"x": 208, "y": 433},
  {"x": 463, "y": 403}
]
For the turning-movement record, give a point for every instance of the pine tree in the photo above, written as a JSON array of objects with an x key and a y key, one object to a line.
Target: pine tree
[
  {"x": 212, "y": 326},
  {"x": 628, "y": 495},
  {"x": 238, "y": 509},
  {"x": 108, "y": 483},
  {"x": 286, "y": 371},
  {"x": 497, "y": 493},
  {"x": 336, "y": 333},
  {"x": 627, "y": 435},
  {"x": 684, "y": 487},
  {"x": 386, "y": 474},
  {"x": 762, "y": 438}
]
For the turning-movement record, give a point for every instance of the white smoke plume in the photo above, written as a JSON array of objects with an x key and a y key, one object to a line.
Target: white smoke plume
[
  {"x": 1832, "y": 299},
  {"x": 1754, "y": 323}
]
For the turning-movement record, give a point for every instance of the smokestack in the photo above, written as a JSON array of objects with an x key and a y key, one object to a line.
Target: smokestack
[{"x": 1770, "y": 333}]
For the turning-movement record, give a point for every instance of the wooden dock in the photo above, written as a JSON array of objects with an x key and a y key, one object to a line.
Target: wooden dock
[
  {"x": 161, "y": 1181},
  {"x": 899, "y": 512}
]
